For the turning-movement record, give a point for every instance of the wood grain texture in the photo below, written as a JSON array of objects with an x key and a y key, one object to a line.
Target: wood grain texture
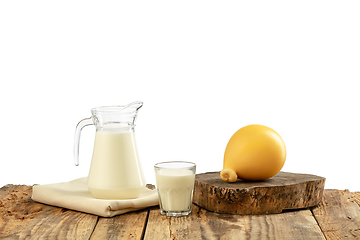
[
  {"x": 202, "y": 224},
  {"x": 283, "y": 191},
  {"x": 23, "y": 218},
  {"x": 338, "y": 215},
  {"x": 126, "y": 226},
  {"x": 355, "y": 197}
]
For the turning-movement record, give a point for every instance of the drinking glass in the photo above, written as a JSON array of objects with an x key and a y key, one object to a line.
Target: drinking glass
[{"x": 175, "y": 186}]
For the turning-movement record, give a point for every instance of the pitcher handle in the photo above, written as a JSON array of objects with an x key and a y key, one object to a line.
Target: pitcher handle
[{"x": 83, "y": 123}]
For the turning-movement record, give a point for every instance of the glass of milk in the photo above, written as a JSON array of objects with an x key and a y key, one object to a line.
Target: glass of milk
[{"x": 175, "y": 186}]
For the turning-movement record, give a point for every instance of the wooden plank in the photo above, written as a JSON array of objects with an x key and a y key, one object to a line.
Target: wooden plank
[
  {"x": 283, "y": 191},
  {"x": 338, "y": 215},
  {"x": 23, "y": 218},
  {"x": 125, "y": 226},
  {"x": 203, "y": 224},
  {"x": 298, "y": 224}
]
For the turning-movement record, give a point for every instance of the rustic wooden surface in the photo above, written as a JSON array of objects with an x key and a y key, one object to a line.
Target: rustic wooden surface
[
  {"x": 283, "y": 191},
  {"x": 202, "y": 224},
  {"x": 336, "y": 217}
]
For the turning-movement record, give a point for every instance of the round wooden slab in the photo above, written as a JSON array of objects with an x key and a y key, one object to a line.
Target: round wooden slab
[{"x": 283, "y": 191}]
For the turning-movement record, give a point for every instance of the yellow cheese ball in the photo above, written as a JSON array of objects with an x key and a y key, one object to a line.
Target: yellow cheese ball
[{"x": 253, "y": 153}]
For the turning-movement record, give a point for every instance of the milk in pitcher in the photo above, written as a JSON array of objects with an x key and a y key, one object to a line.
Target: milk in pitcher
[{"x": 114, "y": 171}]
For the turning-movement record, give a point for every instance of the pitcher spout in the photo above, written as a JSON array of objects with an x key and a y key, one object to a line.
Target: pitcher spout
[
  {"x": 132, "y": 109},
  {"x": 133, "y": 106}
]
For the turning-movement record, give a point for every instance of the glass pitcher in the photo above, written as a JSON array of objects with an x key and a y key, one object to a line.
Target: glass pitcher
[{"x": 115, "y": 171}]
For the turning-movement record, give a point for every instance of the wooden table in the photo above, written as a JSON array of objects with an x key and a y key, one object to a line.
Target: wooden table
[{"x": 336, "y": 217}]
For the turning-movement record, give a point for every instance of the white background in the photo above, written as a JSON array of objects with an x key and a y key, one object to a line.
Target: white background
[{"x": 203, "y": 69}]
